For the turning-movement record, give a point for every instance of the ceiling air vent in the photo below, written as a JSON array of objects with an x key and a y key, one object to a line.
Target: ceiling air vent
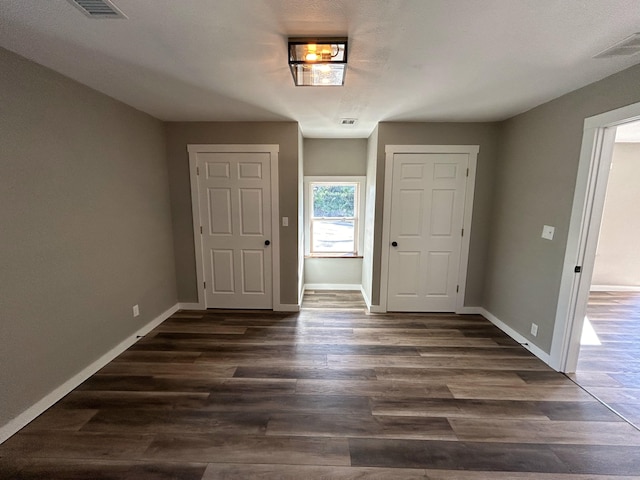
[
  {"x": 348, "y": 121},
  {"x": 98, "y": 8},
  {"x": 627, "y": 47}
]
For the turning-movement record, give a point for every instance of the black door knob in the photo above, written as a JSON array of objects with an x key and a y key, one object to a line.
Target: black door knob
[
  {"x": 267, "y": 243},
  {"x": 394, "y": 244}
]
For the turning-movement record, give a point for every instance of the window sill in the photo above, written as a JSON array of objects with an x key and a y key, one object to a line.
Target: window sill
[{"x": 336, "y": 255}]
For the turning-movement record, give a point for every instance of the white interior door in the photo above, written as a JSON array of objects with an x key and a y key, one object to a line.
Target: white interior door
[
  {"x": 425, "y": 231},
  {"x": 235, "y": 213}
]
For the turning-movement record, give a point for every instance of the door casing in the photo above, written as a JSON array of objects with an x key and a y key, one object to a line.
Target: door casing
[
  {"x": 273, "y": 150},
  {"x": 584, "y": 227},
  {"x": 390, "y": 151}
]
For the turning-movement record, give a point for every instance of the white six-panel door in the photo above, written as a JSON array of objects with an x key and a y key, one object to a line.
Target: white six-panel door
[
  {"x": 425, "y": 231},
  {"x": 234, "y": 191}
]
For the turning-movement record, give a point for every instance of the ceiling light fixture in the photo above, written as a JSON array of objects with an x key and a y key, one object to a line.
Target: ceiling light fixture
[{"x": 318, "y": 62}]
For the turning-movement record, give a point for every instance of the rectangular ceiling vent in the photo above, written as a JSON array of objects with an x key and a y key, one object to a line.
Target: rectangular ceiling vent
[
  {"x": 348, "y": 121},
  {"x": 627, "y": 47},
  {"x": 98, "y": 8}
]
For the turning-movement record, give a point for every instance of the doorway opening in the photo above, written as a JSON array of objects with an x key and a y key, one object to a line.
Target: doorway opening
[
  {"x": 598, "y": 316},
  {"x": 609, "y": 356}
]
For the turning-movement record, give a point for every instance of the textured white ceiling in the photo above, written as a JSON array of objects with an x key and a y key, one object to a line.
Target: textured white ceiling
[{"x": 409, "y": 60}]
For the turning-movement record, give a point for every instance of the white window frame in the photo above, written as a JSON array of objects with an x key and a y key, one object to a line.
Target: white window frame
[{"x": 360, "y": 204}]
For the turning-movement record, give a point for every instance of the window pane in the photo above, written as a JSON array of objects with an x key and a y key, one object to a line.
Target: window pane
[
  {"x": 336, "y": 236},
  {"x": 334, "y": 200}
]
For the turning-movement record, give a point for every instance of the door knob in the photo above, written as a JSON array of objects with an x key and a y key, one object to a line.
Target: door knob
[
  {"x": 267, "y": 243},
  {"x": 394, "y": 244}
]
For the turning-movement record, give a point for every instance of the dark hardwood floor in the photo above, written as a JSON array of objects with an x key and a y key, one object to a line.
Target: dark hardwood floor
[
  {"x": 333, "y": 300},
  {"x": 611, "y": 371},
  {"x": 331, "y": 394}
]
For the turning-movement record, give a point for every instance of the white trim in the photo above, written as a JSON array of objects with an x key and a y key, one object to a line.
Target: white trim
[
  {"x": 189, "y": 306},
  {"x": 377, "y": 309},
  {"x": 538, "y": 352},
  {"x": 301, "y": 295},
  {"x": 14, "y": 425},
  {"x": 586, "y": 215},
  {"x": 195, "y": 210},
  {"x": 287, "y": 307},
  {"x": 367, "y": 300},
  {"x": 615, "y": 288},
  {"x": 390, "y": 150},
  {"x": 362, "y": 184},
  {"x": 470, "y": 311},
  {"x": 273, "y": 150},
  {"x": 386, "y": 224},
  {"x": 469, "y": 193},
  {"x": 356, "y": 287}
]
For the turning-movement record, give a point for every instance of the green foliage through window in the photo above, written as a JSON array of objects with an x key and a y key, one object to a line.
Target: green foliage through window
[{"x": 334, "y": 200}]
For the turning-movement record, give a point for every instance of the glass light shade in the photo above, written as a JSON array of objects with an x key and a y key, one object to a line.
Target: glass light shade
[{"x": 318, "y": 61}]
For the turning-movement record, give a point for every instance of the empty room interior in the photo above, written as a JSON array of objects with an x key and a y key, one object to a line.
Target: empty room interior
[{"x": 282, "y": 239}]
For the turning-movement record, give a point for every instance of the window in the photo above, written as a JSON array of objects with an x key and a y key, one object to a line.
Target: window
[{"x": 334, "y": 205}]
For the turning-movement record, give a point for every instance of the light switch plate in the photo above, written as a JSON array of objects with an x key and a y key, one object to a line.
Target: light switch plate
[
  {"x": 285, "y": 221},
  {"x": 548, "y": 231}
]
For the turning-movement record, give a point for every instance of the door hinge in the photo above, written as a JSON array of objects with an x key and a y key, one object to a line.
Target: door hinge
[
  {"x": 457, "y": 288},
  {"x": 205, "y": 285},
  {"x": 578, "y": 269},
  {"x": 467, "y": 172},
  {"x": 462, "y": 234},
  {"x": 197, "y": 170},
  {"x": 200, "y": 229}
]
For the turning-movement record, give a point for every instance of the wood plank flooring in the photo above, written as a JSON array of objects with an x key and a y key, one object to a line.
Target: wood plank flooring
[
  {"x": 611, "y": 371},
  {"x": 331, "y": 394}
]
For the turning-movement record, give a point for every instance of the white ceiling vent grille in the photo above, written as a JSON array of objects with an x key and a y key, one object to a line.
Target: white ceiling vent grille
[
  {"x": 98, "y": 8},
  {"x": 627, "y": 47},
  {"x": 348, "y": 121}
]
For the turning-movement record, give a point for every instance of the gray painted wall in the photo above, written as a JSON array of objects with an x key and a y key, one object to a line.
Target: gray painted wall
[
  {"x": 483, "y": 134},
  {"x": 341, "y": 270},
  {"x": 86, "y": 228},
  {"x": 535, "y": 180},
  {"x": 179, "y": 135},
  {"x": 618, "y": 256},
  {"x": 331, "y": 157},
  {"x": 335, "y": 156}
]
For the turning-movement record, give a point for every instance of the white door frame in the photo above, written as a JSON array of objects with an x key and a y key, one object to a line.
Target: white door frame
[
  {"x": 275, "y": 212},
  {"x": 582, "y": 240},
  {"x": 390, "y": 151}
]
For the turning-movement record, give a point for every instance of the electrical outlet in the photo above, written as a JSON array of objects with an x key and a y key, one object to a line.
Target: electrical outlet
[
  {"x": 534, "y": 329},
  {"x": 136, "y": 310}
]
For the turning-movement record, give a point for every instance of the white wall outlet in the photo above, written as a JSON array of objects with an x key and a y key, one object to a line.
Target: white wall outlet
[
  {"x": 285, "y": 221},
  {"x": 534, "y": 329},
  {"x": 136, "y": 310},
  {"x": 548, "y": 231}
]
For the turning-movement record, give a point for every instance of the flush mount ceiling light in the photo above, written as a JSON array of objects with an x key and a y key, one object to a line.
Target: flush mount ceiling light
[{"x": 318, "y": 62}]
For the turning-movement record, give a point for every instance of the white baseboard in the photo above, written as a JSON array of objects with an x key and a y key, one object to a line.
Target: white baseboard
[
  {"x": 14, "y": 425},
  {"x": 367, "y": 302},
  {"x": 365, "y": 297},
  {"x": 470, "y": 311},
  {"x": 191, "y": 306},
  {"x": 333, "y": 286},
  {"x": 525, "y": 342},
  {"x": 286, "y": 307},
  {"x": 376, "y": 309},
  {"x": 614, "y": 288},
  {"x": 301, "y": 294}
]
